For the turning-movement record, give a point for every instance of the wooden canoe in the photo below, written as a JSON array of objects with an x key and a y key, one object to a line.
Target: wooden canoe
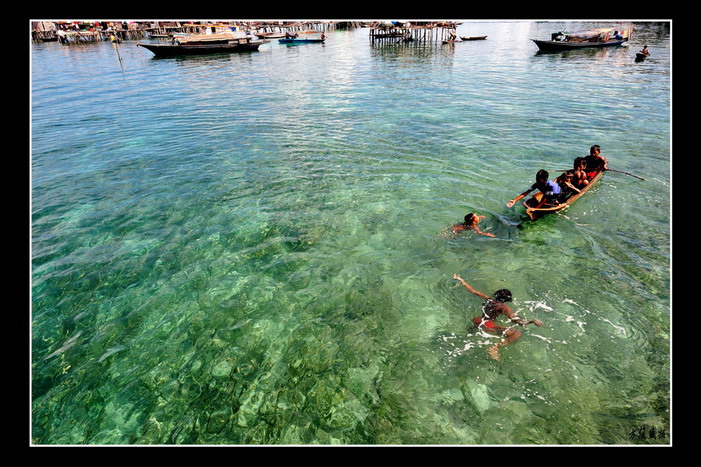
[
  {"x": 464, "y": 39},
  {"x": 300, "y": 41},
  {"x": 535, "y": 214}
]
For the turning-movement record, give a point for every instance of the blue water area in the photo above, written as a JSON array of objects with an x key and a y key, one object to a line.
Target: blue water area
[{"x": 249, "y": 248}]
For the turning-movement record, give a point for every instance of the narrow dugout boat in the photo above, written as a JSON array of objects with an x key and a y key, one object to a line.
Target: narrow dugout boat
[
  {"x": 535, "y": 214},
  {"x": 300, "y": 41},
  {"x": 464, "y": 39}
]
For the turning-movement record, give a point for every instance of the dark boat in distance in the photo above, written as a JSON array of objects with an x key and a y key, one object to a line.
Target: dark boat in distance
[
  {"x": 604, "y": 37},
  {"x": 206, "y": 44}
]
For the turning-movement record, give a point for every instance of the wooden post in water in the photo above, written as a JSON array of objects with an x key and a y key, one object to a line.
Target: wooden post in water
[{"x": 115, "y": 41}]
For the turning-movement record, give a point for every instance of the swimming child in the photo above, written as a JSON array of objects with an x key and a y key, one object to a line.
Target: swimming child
[
  {"x": 491, "y": 310},
  {"x": 471, "y": 221}
]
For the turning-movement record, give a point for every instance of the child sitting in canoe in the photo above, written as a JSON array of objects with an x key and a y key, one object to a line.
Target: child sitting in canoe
[
  {"x": 565, "y": 180},
  {"x": 471, "y": 221},
  {"x": 595, "y": 162},
  {"x": 551, "y": 191},
  {"x": 579, "y": 174}
]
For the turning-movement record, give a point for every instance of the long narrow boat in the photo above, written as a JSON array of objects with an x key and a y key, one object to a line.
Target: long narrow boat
[
  {"x": 561, "y": 45},
  {"x": 464, "y": 39},
  {"x": 300, "y": 41},
  {"x": 199, "y": 48},
  {"x": 535, "y": 214},
  {"x": 603, "y": 37}
]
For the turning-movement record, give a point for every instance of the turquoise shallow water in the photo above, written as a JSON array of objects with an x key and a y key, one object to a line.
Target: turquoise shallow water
[{"x": 247, "y": 248}]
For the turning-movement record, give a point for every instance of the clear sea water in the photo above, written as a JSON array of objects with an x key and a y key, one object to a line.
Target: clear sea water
[{"x": 248, "y": 249}]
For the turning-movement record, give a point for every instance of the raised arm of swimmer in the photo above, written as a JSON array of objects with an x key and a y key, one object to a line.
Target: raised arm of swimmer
[{"x": 467, "y": 286}]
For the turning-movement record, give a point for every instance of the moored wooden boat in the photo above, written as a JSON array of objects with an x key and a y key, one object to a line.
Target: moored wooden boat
[
  {"x": 535, "y": 214},
  {"x": 200, "y": 48},
  {"x": 560, "y": 45},
  {"x": 603, "y": 37}
]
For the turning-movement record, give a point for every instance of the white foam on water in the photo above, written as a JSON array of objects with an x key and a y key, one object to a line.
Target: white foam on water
[
  {"x": 534, "y": 305},
  {"x": 581, "y": 324},
  {"x": 619, "y": 329}
]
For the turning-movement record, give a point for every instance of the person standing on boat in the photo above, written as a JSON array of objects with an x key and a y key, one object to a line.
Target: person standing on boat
[
  {"x": 551, "y": 190},
  {"x": 494, "y": 307},
  {"x": 595, "y": 162}
]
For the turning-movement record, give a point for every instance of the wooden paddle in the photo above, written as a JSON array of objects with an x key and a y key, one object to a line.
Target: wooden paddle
[
  {"x": 610, "y": 170},
  {"x": 626, "y": 173}
]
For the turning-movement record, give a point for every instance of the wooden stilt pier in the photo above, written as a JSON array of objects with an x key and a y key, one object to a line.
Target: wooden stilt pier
[
  {"x": 46, "y": 31},
  {"x": 398, "y": 33}
]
